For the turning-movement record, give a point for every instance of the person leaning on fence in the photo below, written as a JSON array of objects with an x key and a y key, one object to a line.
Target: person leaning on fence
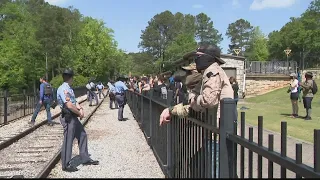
[
  {"x": 70, "y": 111},
  {"x": 193, "y": 82},
  {"x": 308, "y": 93},
  {"x": 45, "y": 99},
  {"x": 294, "y": 94}
]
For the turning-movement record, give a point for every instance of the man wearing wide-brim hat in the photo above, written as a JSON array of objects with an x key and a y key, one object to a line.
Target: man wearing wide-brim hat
[
  {"x": 307, "y": 94},
  {"x": 216, "y": 85},
  {"x": 192, "y": 80}
]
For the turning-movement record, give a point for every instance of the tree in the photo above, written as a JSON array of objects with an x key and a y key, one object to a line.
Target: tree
[
  {"x": 205, "y": 31},
  {"x": 17, "y": 47},
  {"x": 239, "y": 32},
  {"x": 258, "y": 47},
  {"x": 182, "y": 44},
  {"x": 158, "y": 34}
]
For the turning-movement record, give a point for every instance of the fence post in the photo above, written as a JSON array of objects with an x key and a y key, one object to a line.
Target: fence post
[
  {"x": 24, "y": 102},
  {"x": 227, "y": 119},
  {"x": 141, "y": 111},
  {"x": 150, "y": 117},
  {"x": 5, "y": 101},
  {"x": 169, "y": 137}
]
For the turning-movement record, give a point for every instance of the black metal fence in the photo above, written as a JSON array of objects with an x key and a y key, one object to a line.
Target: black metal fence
[
  {"x": 16, "y": 106},
  {"x": 271, "y": 67},
  {"x": 189, "y": 147}
]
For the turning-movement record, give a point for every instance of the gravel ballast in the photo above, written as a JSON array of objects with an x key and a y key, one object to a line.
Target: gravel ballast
[
  {"x": 29, "y": 155},
  {"x": 120, "y": 147},
  {"x": 18, "y": 126}
]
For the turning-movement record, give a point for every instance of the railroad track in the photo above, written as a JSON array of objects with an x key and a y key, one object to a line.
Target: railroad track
[{"x": 35, "y": 151}]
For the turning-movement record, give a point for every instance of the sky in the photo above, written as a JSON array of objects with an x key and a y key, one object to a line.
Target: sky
[{"x": 128, "y": 17}]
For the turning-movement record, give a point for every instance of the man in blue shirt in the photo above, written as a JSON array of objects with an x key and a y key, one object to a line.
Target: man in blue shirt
[
  {"x": 120, "y": 89},
  {"x": 100, "y": 88},
  {"x": 44, "y": 99},
  {"x": 73, "y": 128},
  {"x": 112, "y": 95}
]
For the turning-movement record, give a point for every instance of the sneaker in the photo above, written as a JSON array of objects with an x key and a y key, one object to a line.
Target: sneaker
[{"x": 31, "y": 123}]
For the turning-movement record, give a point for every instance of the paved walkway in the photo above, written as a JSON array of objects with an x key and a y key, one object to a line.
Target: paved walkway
[{"x": 120, "y": 147}]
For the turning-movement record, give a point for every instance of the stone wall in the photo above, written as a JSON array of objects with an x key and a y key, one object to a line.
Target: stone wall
[
  {"x": 315, "y": 72},
  {"x": 238, "y": 63},
  {"x": 256, "y": 85}
]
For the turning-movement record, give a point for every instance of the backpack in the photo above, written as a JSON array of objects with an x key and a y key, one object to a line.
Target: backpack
[
  {"x": 314, "y": 87},
  {"x": 164, "y": 92},
  {"x": 48, "y": 89}
]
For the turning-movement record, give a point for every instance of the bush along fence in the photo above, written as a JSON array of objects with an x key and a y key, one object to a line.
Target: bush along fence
[
  {"x": 16, "y": 106},
  {"x": 189, "y": 147}
]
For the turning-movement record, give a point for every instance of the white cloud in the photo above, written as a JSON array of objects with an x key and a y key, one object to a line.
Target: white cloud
[
  {"x": 235, "y": 3},
  {"x": 197, "y": 6},
  {"x": 263, "y": 4},
  {"x": 56, "y": 2}
]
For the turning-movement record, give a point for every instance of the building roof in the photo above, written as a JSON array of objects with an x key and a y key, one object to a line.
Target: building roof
[{"x": 223, "y": 56}]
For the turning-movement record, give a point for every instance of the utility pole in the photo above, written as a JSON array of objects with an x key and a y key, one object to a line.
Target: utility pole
[
  {"x": 303, "y": 59},
  {"x": 47, "y": 66},
  {"x": 287, "y": 51}
]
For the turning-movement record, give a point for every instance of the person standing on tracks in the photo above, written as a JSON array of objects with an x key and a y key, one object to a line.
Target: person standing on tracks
[
  {"x": 73, "y": 128},
  {"x": 112, "y": 95},
  {"x": 100, "y": 88},
  {"x": 45, "y": 99},
  {"x": 92, "y": 94},
  {"x": 120, "y": 96}
]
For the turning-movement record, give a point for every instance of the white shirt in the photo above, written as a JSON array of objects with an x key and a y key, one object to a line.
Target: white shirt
[{"x": 294, "y": 85}]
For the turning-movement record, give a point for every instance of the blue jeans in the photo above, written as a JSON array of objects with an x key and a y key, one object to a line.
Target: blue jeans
[
  {"x": 46, "y": 104},
  {"x": 217, "y": 158}
]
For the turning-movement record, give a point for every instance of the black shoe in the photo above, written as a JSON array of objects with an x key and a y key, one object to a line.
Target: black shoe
[
  {"x": 70, "y": 169},
  {"x": 90, "y": 104},
  {"x": 308, "y": 118},
  {"x": 91, "y": 162}
]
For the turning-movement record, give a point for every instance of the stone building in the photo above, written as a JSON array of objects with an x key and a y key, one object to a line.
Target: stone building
[{"x": 234, "y": 66}]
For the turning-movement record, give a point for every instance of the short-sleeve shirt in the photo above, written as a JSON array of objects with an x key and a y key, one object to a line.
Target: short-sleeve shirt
[
  {"x": 120, "y": 87},
  {"x": 100, "y": 86},
  {"x": 65, "y": 94}
]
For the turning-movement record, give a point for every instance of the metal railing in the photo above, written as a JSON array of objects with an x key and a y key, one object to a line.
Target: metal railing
[
  {"x": 16, "y": 106},
  {"x": 189, "y": 147},
  {"x": 271, "y": 67}
]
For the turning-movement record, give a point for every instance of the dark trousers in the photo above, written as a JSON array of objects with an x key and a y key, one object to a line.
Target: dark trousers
[
  {"x": 113, "y": 100},
  {"x": 73, "y": 129},
  {"x": 100, "y": 92},
  {"x": 121, "y": 102},
  {"x": 91, "y": 96},
  {"x": 46, "y": 104}
]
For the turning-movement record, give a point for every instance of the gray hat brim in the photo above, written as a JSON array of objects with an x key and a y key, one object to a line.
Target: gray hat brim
[{"x": 194, "y": 54}]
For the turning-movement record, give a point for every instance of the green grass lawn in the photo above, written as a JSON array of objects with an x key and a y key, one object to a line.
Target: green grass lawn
[{"x": 276, "y": 107}]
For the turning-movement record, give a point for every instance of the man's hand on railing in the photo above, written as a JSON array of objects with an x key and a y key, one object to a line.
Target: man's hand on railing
[{"x": 165, "y": 116}]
